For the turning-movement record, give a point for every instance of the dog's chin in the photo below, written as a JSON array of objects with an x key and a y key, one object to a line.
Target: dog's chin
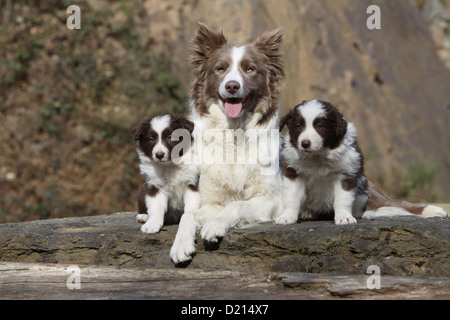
[
  {"x": 235, "y": 107},
  {"x": 162, "y": 161}
]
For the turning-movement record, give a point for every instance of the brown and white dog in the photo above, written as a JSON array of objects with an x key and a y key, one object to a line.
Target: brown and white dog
[
  {"x": 171, "y": 182},
  {"x": 234, "y": 105},
  {"x": 323, "y": 171}
]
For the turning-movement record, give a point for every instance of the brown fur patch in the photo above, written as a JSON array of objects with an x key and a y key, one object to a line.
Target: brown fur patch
[
  {"x": 143, "y": 191},
  {"x": 378, "y": 198}
]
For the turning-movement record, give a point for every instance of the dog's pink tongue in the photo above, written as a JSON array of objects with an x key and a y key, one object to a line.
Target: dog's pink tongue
[{"x": 233, "y": 109}]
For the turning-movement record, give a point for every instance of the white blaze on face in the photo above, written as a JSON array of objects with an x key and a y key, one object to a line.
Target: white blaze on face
[
  {"x": 311, "y": 111},
  {"x": 160, "y": 151},
  {"x": 233, "y": 108}
]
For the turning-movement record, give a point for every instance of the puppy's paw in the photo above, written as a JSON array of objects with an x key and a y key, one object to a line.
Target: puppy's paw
[
  {"x": 142, "y": 217},
  {"x": 344, "y": 219},
  {"x": 151, "y": 227},
  {"x": 286, "y": 219}
]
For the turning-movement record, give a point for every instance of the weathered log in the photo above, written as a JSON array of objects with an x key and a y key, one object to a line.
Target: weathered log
[
  {"x": 398, "y": 246},
  {"x": 58, "y": 281}
]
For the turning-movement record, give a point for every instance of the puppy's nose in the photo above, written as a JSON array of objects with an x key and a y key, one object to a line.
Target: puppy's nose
[
  {"x": 159, "y": 155},
  {"x": 306, "y": 144},
  {"x": 232, "y": 87}
]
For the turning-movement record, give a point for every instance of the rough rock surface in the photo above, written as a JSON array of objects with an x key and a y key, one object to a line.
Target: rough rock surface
[{"x": 399, "y": 246}]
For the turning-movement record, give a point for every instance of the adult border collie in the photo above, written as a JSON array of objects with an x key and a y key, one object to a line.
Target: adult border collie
[
  {"x": 234, "y": 105},
  {"x": 323, "y": 171}
]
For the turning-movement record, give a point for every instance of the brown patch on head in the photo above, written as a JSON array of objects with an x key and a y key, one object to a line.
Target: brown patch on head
[
  {"x": 295, "y": 123},
  {"x": 333, "y": 126},
  {"x": 206, "y": 42},
  {"x": 146, "y": 137},
  {"x": 269, "y": 45}
]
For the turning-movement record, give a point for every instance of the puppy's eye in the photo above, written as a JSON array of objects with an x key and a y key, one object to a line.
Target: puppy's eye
[
  {"x": 169, "y": 137},
  {"x": 319, "y": 126},
  {"x": 150, "y": 139},
  {"x": 299, "y": 126},
  {"x": 250, "y": 69},
  {"x": 220, "y": 69}
]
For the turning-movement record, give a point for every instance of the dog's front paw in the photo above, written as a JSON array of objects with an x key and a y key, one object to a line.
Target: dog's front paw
[
  {"x": 212, "y": 231},
  {"x": 286, "y": 218},
  {"x": 151, "y": 227},
  {"x": 181, "y": 253},
  {"x": 142, "y": 217},
  {"x": 344, "y": 219}
]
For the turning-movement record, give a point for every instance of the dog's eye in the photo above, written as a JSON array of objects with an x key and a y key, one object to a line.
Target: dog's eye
[
  {"x": 299, "y": 126},
  {"x": 150, "y": 138},
  {"x": 250, "y": 69},
  {"x": 220, "y": 69},
  {"x": 169, "y": 137},
  {"x": 319, "y": 126}
]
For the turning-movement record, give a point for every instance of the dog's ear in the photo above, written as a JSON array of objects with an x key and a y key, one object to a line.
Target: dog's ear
[
  {"x": 341, "y": 126},
  {"x": 205, "y": 41},
  {"x": 286, "y": 119},
  {"x": 137, "y": 131},
  {"x": 269, "y": 43},
  {"x": 182, "y": 122}
]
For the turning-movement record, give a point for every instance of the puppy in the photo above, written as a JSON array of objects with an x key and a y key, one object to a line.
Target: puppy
[
  {"x": 323, "y": 167},
  {"x": 171, "y": 186},
  {"x": 323, "y": 171}
]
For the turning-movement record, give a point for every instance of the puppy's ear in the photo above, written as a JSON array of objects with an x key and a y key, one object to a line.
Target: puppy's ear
[
  {"x": 184, "y": 123},
  {"x": 341, "y": 126},
  {"x": 205, "y": 41},
  {"x": 286, "y": 119},
  {"x": 338, "y": 120},
  {"x": 269, "y": 43},
  {"x": 137, "y": 131}
]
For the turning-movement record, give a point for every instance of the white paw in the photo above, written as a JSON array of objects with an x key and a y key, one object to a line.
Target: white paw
[
  {"x": 213, "y": 230},
  {"x": 151, "y": 227},
  {"x": 344, "y": 219},
  {"x": 433, "y": 211},
  {"x": 182, "y": 252},
  {"x": 142, "y": 217},
  {"x": 286, "y": 219}
]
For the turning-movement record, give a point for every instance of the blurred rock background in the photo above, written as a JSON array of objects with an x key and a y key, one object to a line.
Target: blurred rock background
[{"x": 68, "y": 98}]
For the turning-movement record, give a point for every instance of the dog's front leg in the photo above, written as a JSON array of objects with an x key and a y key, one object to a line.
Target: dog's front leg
[
  {"x": 156, "y": 209},
  {"x": 183, "y": 247},
  {"x": 293, "y": 196},
  {"x": 343, "y": 203}
]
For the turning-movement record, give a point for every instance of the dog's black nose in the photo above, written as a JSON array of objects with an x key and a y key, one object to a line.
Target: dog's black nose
[
  {"x": 232, "y": 86},
  {"x": 159, "y": 155},
  {"x": 306, "y": 144}
]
